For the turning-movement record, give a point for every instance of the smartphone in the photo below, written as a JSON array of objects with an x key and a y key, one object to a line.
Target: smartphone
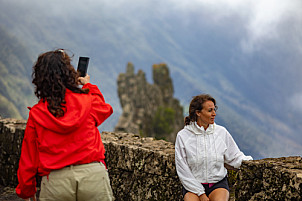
[{"x": 83, "y": 66}]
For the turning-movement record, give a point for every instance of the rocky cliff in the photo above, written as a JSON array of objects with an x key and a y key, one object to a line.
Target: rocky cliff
[
  {"x": 144, "y": 169},
  {"x": 149, "y": 109}
]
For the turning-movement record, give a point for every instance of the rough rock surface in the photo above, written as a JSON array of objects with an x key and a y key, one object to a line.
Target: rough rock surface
[
  {"x": 8, "y": 194},
  {"x": 141, "y": 102},
  {"x": 11, "y": 136},
  {"x": 141, "y": 168},
  {"x": 270, "y": 179}
]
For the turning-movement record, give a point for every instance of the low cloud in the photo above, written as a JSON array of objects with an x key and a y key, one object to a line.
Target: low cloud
[
  {"x": 263, "y": 21},
  {"x": 266, "y": 22}
]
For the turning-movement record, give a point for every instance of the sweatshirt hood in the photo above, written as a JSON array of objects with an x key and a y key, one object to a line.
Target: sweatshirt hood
[
  {"x": 77, "y": 109},
  {"x": 195, "y": 128}
]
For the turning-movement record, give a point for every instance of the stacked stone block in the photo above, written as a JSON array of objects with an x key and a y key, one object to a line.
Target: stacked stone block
[
  {"x": 141, "y": 168},
  {"x": 270, "y": 179},
  {"x": 11, "y": 136}
]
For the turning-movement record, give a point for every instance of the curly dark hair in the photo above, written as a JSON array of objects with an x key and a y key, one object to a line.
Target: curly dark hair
[
  {"x": 197, "y": 105},
  {"x": 52, "y": 74}
]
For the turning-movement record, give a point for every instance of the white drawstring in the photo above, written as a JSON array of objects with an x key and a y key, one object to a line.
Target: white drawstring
[
  {"x": 215, "y": 143},
  {"x": 197, "y": 147}
]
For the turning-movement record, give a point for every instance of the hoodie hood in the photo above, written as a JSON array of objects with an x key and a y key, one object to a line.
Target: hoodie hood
[
  {"x": 196, "y": 129},
  {"x": 77, "y": 109}
]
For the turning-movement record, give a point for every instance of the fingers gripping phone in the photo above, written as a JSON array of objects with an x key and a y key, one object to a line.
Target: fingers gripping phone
[{"x": 83, "y": 66}]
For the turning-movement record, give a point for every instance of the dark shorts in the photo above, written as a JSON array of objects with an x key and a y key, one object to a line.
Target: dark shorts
[{"x": 221, "y": 184}]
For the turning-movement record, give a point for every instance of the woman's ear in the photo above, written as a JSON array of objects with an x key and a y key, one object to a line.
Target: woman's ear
[{"x": 198, "y": 113}]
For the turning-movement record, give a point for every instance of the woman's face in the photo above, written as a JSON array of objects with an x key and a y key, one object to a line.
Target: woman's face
[{"x": 207, "y": 115}]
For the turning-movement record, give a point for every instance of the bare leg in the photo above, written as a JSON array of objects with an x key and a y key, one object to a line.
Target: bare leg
[
  {"x": 191, "y": 197},
  {"x": 219, "y": 194}
]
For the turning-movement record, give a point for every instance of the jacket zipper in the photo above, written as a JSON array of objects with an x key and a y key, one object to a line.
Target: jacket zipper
[{"x": 206, "y": 157}]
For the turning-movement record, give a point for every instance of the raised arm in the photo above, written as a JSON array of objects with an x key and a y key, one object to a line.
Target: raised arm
[{"x": 100, "y": 109}]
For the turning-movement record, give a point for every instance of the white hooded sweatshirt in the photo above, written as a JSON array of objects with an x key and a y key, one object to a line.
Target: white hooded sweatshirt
[{"x": 200, "y": 155}]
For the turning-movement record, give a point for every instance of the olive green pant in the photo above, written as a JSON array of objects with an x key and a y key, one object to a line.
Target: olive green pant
[{"x": 87, "y": 182}]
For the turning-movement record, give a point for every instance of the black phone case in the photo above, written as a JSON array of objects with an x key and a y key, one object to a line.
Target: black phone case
[{"x": 83, "y": 66}]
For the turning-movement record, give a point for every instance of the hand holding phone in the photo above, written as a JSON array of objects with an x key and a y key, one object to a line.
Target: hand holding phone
[
  {"x": 83, "y": 66},
  {"x": 84, "y": 80}
]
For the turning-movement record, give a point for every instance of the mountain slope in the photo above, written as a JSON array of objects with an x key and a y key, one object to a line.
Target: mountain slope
[
  {"x": 202, "y": 57},
  {"x": 16, "y": 92}
]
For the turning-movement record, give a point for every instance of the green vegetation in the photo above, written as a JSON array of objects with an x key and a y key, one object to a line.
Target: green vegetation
[
  {"x": 16, "y": 91},
  {"x": 162, "y": 123},
  {"x": 232, "y": 177},
  {"x": 8, "y": 109}
]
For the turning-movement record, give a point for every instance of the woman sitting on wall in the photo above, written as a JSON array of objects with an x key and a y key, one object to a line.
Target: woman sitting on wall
[{"x": 201, "y": 150}]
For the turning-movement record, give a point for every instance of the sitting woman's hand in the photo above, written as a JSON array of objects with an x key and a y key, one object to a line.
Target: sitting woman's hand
[
  {"x": 84, "y": 80},
  {"x": 204, "y": 197}
]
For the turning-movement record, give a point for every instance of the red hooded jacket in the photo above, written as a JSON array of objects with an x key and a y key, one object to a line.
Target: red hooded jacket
[{"x": 52, "y": 143}]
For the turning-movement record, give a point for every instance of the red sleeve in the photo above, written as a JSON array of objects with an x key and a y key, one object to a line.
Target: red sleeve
[
  {"x": 100, "y": 109},
  {"x": 28, "y": 163}
]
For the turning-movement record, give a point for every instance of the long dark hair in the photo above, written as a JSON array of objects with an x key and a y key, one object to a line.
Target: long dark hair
[
  {"x": 52, "y": 74},
  {"x": 197, "y": 105}
]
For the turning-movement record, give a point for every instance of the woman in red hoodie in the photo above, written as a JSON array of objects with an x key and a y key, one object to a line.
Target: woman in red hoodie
[{"x": 62, "y": 142}]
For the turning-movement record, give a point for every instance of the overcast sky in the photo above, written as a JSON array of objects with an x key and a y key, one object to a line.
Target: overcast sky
[
  {"x": 257, "y": 24},
  {"x": 263, "y": 20}
]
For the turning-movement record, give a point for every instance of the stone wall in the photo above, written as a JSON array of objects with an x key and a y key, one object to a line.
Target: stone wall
[
  {"x": 141, "y": 168},
  {"x": 270, "y": 179},
  {"x": 11, "y": 136},
  {"x": 144, "y": 169}
]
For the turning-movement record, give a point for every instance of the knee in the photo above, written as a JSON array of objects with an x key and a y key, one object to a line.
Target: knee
[{"x": 219, "y": 195}]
